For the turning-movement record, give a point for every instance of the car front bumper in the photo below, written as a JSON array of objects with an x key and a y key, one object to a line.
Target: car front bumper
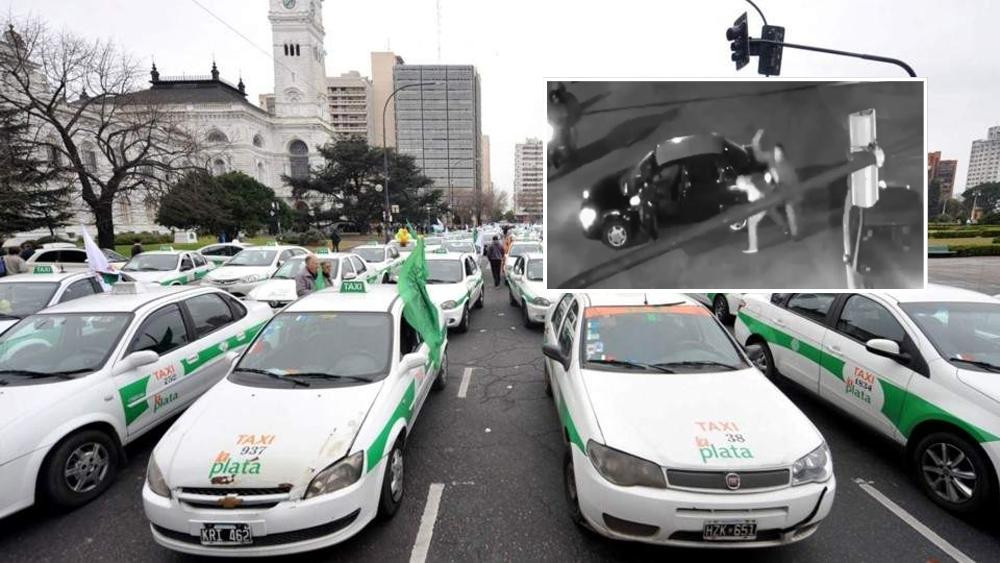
[
  {"x": 677, "y": 517},
  {"x": 291, "y": 526},
  {"x": 536, "y": 313},
  {"x": 453, "y": 317}
]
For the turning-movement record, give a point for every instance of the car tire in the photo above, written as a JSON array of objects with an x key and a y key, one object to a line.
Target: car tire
[
  {"x": 482, "y": 298},
  {"x": 570, "y": 490},
  {"x": 392, "y": 482},
  {"x": 92, "y": 455},
  {"x": 441, "y": 381},
  {"x": 525, "y": 318},
  {"x": 510, "y": 296},
  {"x": 720, "y": 307},
  {"x": 940, "y": 450},
  {"x": 385, "y": 278},
  {"x": 463, "y": 325},
  {"x": 548, "y": 382},
  {"x": 615, "y": 233},
  {"x": 763, "y": 360}
]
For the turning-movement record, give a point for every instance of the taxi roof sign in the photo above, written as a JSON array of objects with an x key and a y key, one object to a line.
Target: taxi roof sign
[
  {"x": 43, "y": 270},
  {"x": 353, "y": 286}
]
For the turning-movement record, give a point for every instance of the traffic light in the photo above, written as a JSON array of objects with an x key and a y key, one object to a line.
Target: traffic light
[
  {"x": 739, "y": 41},
  {"x": 769, "y": 63}
]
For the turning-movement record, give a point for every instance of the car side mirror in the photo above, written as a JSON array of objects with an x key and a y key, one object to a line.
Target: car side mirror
[
  {"x": 412, "y": 361},
  {"x": 553, "y": 352},
  {"x": 135, "y": 360},
  {"x": 887, "y": 349},
  {"x": 349, "y": 276}
]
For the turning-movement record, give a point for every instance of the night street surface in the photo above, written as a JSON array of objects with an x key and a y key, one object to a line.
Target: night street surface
[
  {"x": 623, "y": 121},
  {"x": 498, "y": 454}
]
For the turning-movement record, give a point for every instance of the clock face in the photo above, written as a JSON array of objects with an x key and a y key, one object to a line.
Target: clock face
[{"x": 289, "y": 4}]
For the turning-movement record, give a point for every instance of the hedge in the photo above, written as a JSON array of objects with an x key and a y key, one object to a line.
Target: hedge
[
  {"x": 972, "y": 250},
  {"x": 312, "y": 237},
  {"x": 965, "y": 233},
  {"x": 145, "y": 237}
]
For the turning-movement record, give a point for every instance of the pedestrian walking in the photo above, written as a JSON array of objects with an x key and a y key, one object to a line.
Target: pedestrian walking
[
  {"x": 136, "y": 248},
  {"x": 495, "y": 254},
  {"x": 335, "y": 238},
  {"x": 13, "y": 262},
  {"x": 305, "y": 280},
  {"x": 782, "y": 177}
]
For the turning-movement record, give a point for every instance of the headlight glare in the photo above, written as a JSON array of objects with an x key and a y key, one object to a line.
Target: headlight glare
[
  {"x": 634, "y": 201},
  {"x": 623, "y": 469},
  {"x": 815, "y": 466},
  {"x": 587, "y": 217},
  {"x": 341, "y": 474},
  {"x": 154, "y": 477}
]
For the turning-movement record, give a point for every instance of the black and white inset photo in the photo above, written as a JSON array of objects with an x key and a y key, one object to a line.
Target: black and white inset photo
[{"x": 736, "y": 184}]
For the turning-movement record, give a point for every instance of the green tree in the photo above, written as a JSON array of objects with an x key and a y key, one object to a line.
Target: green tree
[
  {"x": 509, "y": 216},
  {"x": 31, "y": 193},
  {"x": 984, "y": 196},
  {"x": 344, "y": 187},
  {"x": 224, "y": 205}
]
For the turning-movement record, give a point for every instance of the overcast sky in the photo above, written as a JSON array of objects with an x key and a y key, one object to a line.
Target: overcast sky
[{"x": 516, "y": 43}]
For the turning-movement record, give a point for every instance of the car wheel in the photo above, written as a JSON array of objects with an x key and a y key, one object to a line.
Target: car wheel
[
  {"x": 482, "y": 298},
  {"x": 953, "y": 472},
  {"x": 80, "y": 468},
  {"x": 548, "y": 382},
  {"x": 510, "y": 296},
  {"x": 392, "y": 482},
  {"x": 463, "y": 325},
  {"x": 720, "y": 306},
  {"x": 525, "y": 318},
  {"x": 615, "y": 233},
  {"x": 738, "y": 225},
  {"x": 570, "y": 490},
  {"x": 385, "y": 277},
  {"x": 763, "y": 360},
  {"x": 441, "y": 381}
]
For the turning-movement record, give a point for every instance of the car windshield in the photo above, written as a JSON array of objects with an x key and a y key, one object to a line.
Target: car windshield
[
  {"x": 253, "y": 258},
  {"x": 21, "y": 299},
  {"x": 965, "y": 334},
  {"x": 43, "y": 347},
  {"x": 444, "y": 271},
  {"x": 535, "y": 270},
  {"x": 292, "y": 268},
  {"x": 519, "y": 249},
  {"x": 152, "y": 263},
  {"x": 668, "y": 338},
  {"x": 370, "y": 255},
  {"x": 320, "y": 349},
  {"x": 461, "y": 247}
]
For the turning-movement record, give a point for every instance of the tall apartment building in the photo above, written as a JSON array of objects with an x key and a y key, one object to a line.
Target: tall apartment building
[
  {"x": 984, "y": 161},
  {"x": 383, "y": 63},
  {"x": 528, "y": 179},
  {"x": 439, "y": 124},
  {"x": 487, "y": 177},
  {"x": 943, "y": 172},
  {"x": 350, "y": 99}
]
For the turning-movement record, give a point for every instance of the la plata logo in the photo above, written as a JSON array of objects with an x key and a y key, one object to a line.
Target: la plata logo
[{"x": 224, "y": 464}]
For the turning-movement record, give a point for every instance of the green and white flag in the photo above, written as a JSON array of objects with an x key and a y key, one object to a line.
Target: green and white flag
[{"x": 418, "y": 309}]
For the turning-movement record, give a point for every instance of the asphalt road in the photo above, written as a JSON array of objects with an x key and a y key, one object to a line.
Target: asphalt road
[
  {"x": 497, "y": 454},
  {"x": 622, "y": 122},
  {"x": 978, "y": 273}
]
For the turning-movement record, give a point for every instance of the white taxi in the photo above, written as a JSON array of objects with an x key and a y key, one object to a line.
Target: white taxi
[
  {"x": 251, "y": 267},
  {"x": 303, "y": 443},
  {"x": 280, "y": 289},
  {"x": 79, "y": 380},
  {"x": 219, "y": 254},
  {"x": 382, "y": 259},
  {"x": 168, "y": 267},
  {"x": 920, "y": 367},
  {"x": 26, "y": 294},
  {"x": 723, "y": 305},
  {"x": 672, "y": 436},
  {"x": 518, "y": 248},
  {"x": 455, "y": 283},
  {"x": 527, "y": 288}
]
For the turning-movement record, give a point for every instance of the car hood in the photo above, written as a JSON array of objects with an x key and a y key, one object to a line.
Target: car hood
[
  {"x": 255, "y": 437},
  {"x": 441, "y": 292},
  {"x": 735, "y": 419},
  {"x": 152, "y": 277},
  {"x": 274, "y": 290},
  {"x": 237, "y": 272},
  {"x": 25, "y": 404}
]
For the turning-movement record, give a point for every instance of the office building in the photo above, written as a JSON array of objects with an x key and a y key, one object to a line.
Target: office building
[
  {"x": 528, "y": 170},
  {"x": 349, "y": 97},
  {"x": 984, "y": 160},
  {"x": 383, "y": 63},
  {"x": 485, "y": 150}
]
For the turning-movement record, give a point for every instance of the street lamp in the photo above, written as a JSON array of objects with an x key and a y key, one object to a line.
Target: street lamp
[{"x": 385, "y": 152}]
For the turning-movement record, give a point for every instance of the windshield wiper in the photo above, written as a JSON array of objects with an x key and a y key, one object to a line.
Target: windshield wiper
[
  {"x": 272, "y": 374},
  {"x": 325, "y": 375},
  {"x": 6, "y": 316},
  {"x": 633, "y": 365},
  {"x": 977, "y": 363},
  {"x": 699, "y": 363},
  {"x": 38, "y": 374}
]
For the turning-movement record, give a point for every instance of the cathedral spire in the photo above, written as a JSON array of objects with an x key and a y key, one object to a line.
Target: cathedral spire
[
  {"x": 154, "y": 74},
  {"x": 215, "y": 71},
  {"x": 241, "y": 86}
]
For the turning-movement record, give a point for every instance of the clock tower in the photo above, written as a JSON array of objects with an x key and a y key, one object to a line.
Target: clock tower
[{"x": 299, "y": 58}]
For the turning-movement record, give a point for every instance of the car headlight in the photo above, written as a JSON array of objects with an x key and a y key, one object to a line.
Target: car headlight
[
  {"x": 586, "y": 194},
  {"x": 449, "y": 305},
  {"x": 540, "y": 301},
  {"x": 342, "y": 473},
  {"x": 154, "y": 477},
  {"x": 587, "y": 217},
  {"x": 815, "y": 466},
  {"x": 623, "y": 469},
  {"x": 634, "y": 201}
]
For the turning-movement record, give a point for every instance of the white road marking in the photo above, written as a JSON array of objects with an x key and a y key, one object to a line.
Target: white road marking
[
  {"x": 922, "y": 529},
  {"x": 427, "y": 521},
  {"x": 463, "y": 389}
]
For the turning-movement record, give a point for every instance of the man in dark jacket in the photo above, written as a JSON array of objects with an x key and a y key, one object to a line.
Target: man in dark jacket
[
  {"x": 136, "y": 248},
  {"x": 335, "y": 238},
  {"x": 495, "y": 254}
]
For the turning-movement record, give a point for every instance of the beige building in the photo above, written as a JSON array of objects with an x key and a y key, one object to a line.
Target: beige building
[
  {"x": 349, "y": 96},
  {"x": 487, "y": 179},
  {"x": 382, "y": 86},
  {"x": 528, "y": 179}
]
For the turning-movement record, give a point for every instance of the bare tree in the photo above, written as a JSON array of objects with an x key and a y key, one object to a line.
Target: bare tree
[
  {"x": 494, "y": 204},
  {"x": 95, "y": 127}
]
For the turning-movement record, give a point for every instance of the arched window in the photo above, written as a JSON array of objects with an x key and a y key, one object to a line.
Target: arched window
[
  {"x": 260, "y": 172},
  {"x": 218, "y": 167},
  {"x": 216, "y": 136},
  {"x": 258, "y": 141},
  {"x": 299, "y": 158}
]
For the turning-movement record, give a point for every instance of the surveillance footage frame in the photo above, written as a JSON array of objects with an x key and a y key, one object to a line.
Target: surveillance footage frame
[{"x": 839, "y": 208}]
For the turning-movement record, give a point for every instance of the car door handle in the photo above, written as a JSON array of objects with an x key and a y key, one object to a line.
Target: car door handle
[
  {"x": 833, "y": 348},
  {"x": 193, "y": 358},
  {"x": 779, "y": 322}
]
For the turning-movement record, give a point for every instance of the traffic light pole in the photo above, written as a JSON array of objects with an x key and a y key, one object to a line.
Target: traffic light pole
[{"x": 756, "y": 43}]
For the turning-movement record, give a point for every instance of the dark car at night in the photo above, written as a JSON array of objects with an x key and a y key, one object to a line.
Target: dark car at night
[{"x": 688, "y": 179}]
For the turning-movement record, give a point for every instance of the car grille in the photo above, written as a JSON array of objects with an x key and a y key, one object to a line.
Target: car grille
[
  {"x": 249, "y": 498},
  {"x": 235, "y": 491},
  {"x": 283, "y": 538},
  {"x": 716, "y": 480}
]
